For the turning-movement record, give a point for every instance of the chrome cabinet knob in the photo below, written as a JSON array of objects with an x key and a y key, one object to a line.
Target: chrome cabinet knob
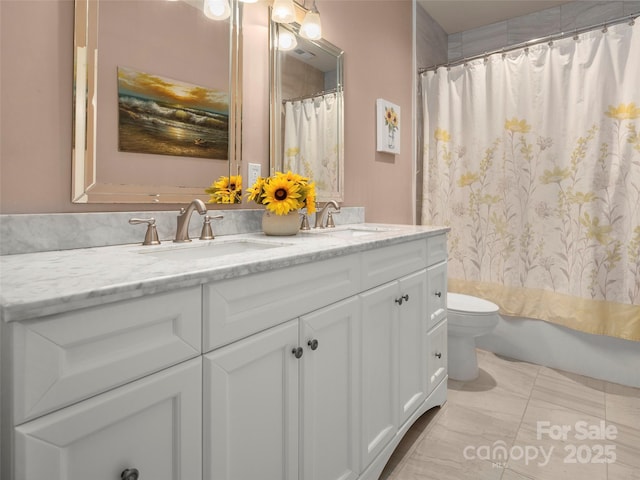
[
  {"x": 439, "y": 355},
  {"x": 438, "y": 294},
  {"x": 297, "y": 352},
  {"x": 313, "y": 344},
  {"x": 402, "y": 299},
  {"x": 130, "y": 474}
]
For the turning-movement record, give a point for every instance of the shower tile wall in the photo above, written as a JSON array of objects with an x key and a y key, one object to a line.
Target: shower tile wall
[{"x": 564, "y": 18}]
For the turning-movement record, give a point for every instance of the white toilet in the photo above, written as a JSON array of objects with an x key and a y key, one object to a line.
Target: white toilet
[{"x": 467, "y": 318}]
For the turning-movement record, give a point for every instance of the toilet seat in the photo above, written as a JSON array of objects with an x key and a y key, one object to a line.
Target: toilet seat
[{"x": 466, "y": 304}]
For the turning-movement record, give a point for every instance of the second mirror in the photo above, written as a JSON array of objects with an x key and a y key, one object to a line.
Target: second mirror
[{"x": 307, "y": 114}]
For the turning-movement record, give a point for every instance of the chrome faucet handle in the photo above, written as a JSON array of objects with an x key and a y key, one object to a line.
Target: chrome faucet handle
[
  {"x": 207, "y": 231},
  {"x": 151, "y": 236},
  {"x": 330, "y": 223},
  {"x": 304, "y": 225}
]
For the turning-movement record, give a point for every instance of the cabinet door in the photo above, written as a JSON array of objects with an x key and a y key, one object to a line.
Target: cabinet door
[
  {"x": 330, "y": 396},
  {"x": 379, "y": 367},
  {"x": 152, "y": 425},
  {"x": 251, "y": 407},
  {"x": 437, "y": 355},
  {"x": 412, "y": 327}
]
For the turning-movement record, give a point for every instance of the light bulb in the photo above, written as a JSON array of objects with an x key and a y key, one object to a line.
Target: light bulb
[
  {"x": 286, "y": 40},
  {"x": 217, "y": 9},
  {"x": 283, "y": 11},
  {"x": 249, "y": 1},
  {"x": 311, "y": 27}
]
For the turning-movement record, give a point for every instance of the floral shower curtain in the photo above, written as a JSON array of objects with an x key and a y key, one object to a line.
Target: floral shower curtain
[
  {"x": 533, "y": 158},
  {"x": 310, "y": 133}
]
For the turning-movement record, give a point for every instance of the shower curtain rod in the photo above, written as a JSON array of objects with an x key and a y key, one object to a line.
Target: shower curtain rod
[
  {"x": 548, "y": 38},
  {"x": 319, "y": 94}
]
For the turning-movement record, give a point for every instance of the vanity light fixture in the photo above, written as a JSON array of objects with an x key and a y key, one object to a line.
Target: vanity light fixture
[
  {"x": 286, "y": 40},
  {"x": 283, "y": 11},
  {"x": 217, "y": 9},
  {"x": 311, "y": 27}
]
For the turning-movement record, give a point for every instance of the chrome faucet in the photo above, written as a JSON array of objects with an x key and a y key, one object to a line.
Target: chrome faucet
[
  {"x": 182, "y": 232},
  {"x": 320, "y": 214}
]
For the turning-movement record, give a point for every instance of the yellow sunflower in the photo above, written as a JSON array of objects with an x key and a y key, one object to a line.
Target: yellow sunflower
[
  {"x": 281, "y": 195},
  {"x": 226, "y": 190},
  {"x": 255, "y": 192},
  {"x": 310, "y": 199},
  {"x": 388, "y": 114}
]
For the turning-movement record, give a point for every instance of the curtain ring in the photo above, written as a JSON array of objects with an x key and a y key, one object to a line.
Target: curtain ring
[
  {"x": 551, "y": 43},
  {"x": 605, "y": 29},
  {"x": 632, "y": 22},
  {"x": 575, "y": 36}
]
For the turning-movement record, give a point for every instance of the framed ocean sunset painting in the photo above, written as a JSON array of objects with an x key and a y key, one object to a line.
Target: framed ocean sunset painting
[{"x": 163, "y": 116}]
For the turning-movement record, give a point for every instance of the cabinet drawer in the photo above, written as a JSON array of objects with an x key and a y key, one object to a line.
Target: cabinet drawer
[
  {"x": 239, "y": 307},
  {"x": 388, "y": 263},
  {"x": 153, "y": 425},
  {"x": 437, "y": 249},
  {"x": 437, "y": 293},
  {"x": 436, "y": 355},
  {"x": 61, "y": 359}
]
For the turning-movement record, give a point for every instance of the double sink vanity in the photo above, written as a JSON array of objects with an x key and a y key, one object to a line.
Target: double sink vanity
[{"x": 241, "y": 358}]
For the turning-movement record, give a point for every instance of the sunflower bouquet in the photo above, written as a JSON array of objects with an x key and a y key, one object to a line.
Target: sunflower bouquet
[
  {"x": 283, "y": 193},
  {"x": 226, "y": 190}
]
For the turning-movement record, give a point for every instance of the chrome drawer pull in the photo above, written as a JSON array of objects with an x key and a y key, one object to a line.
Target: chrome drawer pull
[{"x": 129, "y": 474}]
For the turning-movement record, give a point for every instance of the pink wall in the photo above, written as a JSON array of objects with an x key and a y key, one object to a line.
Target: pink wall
[
  {"x": 36, "y": 88},
  {"x": 377, "y": 39}
]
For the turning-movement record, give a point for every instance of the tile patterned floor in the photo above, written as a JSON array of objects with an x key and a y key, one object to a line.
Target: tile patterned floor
[{"x": 520, "y": 409}]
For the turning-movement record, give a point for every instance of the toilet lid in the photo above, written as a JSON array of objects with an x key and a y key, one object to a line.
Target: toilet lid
[{"x": 466, "y": 303}]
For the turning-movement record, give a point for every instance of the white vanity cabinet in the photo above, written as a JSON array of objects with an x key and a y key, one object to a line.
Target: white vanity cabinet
[{"x": 313, "y": 370}]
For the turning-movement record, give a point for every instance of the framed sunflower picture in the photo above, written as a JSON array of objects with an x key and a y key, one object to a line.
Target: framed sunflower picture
[{"x": 388, "y": 124}]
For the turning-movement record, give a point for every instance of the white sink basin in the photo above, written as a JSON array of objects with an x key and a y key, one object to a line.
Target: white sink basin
[
  {"x": 195, "y": 251},
  {"x": 356, "y": 231}
]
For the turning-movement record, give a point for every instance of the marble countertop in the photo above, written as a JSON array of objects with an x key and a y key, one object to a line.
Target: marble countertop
[{"x": 37, "y": 284}]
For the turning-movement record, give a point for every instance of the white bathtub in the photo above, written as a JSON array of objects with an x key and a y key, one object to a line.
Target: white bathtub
[{"x": 543, "y": 343}]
